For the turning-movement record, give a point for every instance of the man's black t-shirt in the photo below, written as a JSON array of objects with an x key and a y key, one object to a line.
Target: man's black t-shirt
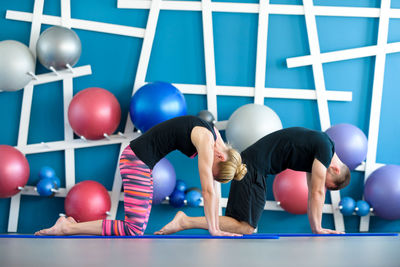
[{"x": 290, "y": 148}]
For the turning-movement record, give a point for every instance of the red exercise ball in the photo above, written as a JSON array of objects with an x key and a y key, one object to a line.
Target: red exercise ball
[
  {"x": 14, "y": 171},
  {"x": 87, "y": 201},
  {"x": 290, "y": 189},
  {"x": 94, "y": 112}
]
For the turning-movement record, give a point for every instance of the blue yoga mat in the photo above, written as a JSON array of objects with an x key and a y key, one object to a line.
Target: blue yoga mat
[
  {"x": 254, "y": 236},
  {"x": 334, "y": 235}
]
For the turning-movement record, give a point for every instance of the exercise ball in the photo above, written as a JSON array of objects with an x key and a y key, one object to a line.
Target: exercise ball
[
  {"x": 154, "y": 103},
  {"x": 290, "y": 189},
  {"x": 16, "y": 60},
  {"x": 45, "y": 187},
  {"x": 362, "y": 208},
  {"x": 46, "y": 172},
  {"x": 14, "y": 171},
  {"x": 249, "y": 123},
  {"x": 57, "y": 181},
  {"x": 207, "y": 116},
  {"x": 382, "y": 192},
  {"x": 87, "y": 201},
  {"x": 177, "y": 199},
  {"x": 347, "y": 206},
  {"x": 164, "y": 180},
  {"x": 58, "y": 46},
  {"x": 94, "y": 112},
  {"x": 350, "y": 144},
  {"x": 180, "y": 185},
  {"x": 193, "y": 198}
]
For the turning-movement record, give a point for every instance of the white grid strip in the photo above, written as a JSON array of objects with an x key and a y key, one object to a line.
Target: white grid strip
[
  {"x": 376, "y": 101},
  {"x": 26, "y": 111},
  {"x": 80, "y": 24},
  {"x": 322, "y": 102},
  {"x": 68, "y": 92},
  {"x": 261, "y": 59},
  {"x": 208, "y": 38},
  {"x": 275, "y": 9}
]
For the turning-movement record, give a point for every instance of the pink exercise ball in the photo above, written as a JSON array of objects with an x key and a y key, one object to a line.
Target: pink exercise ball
[
  {"x": 94, "y": 112},
  {"x": 14, "y": 171},
  {"x": 87, "y": 201},
  {"x": 290, "y": 189}
]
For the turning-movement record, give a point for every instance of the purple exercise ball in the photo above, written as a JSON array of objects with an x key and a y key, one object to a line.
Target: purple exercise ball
[
  {"x": 382, "y": 191},
  {"x": 350, "y": 144},
  {"x": 164, "y": 180}
]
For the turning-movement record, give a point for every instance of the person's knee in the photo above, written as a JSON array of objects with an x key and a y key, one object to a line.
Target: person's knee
[{"x": 247, "y": 229}]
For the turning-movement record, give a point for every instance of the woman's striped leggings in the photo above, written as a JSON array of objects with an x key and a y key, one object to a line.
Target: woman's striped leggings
[{"x": 138, "y": 194}]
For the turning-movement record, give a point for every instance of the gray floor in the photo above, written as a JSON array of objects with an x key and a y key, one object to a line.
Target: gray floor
[{"x": 287, "y": 251}]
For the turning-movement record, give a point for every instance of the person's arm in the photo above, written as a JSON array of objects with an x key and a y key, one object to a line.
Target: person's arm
[
  {"x": 316, "y": 198},
  {"x": 204, "y": 142},
  {"x": 216, "y": 204}
]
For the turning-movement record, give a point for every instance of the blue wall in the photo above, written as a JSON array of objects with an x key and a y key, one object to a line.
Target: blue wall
[{"x": 178, "y": 57}]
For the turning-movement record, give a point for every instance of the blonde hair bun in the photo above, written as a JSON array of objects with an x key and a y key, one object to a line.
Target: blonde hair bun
[{"x": 240, "y": 172}]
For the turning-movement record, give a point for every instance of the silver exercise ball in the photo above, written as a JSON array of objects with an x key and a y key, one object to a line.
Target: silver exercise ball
[
  {"x": 58, "y": 46},
  {"x": 16, "y": 60},
  {"x": 249, "y": 123}
]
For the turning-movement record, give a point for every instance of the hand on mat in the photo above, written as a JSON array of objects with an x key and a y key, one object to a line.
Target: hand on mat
[
  {"x": 327, "y": 231},
  {"x": 222, "y": 233}
]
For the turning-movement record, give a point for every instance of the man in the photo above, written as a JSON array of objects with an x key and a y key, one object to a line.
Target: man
[{"x": 293, "y": 148}]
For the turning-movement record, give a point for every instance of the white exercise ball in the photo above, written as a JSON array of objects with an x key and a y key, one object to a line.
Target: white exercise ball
[
  {"x": 249, "y": 123},
  {"x": 16, "y": 60}
]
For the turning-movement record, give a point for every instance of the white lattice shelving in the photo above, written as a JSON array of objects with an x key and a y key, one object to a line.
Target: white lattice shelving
[{"x": 211, "y": 89}]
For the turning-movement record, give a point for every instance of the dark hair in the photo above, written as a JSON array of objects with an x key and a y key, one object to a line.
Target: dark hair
[{"x": 343, "y": 178}]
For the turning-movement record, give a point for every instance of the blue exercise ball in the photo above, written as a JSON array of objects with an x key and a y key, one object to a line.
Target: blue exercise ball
[
  {"x": 46, "y": 172},
  {"x": 56, "y": 181},
  {"x": 180, "y": 185},
  {"x": 45, "y": 186},
  {"x": 347, "y": 206},
  {"x": 154, "y": 103},
  {"x": 177, "y": 199},
  {"x": 193, "y": 198},
  {"x": 362, "y": 208}
]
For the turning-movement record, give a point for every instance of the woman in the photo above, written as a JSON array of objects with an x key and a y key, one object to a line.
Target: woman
[{"x": 188, "y": 134}]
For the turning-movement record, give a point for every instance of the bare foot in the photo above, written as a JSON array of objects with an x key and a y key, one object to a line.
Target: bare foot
[
  {"x": 176, "y": 225},
  {"x": 71, "y": 220},
  {"x": 59, "y": 228}
]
